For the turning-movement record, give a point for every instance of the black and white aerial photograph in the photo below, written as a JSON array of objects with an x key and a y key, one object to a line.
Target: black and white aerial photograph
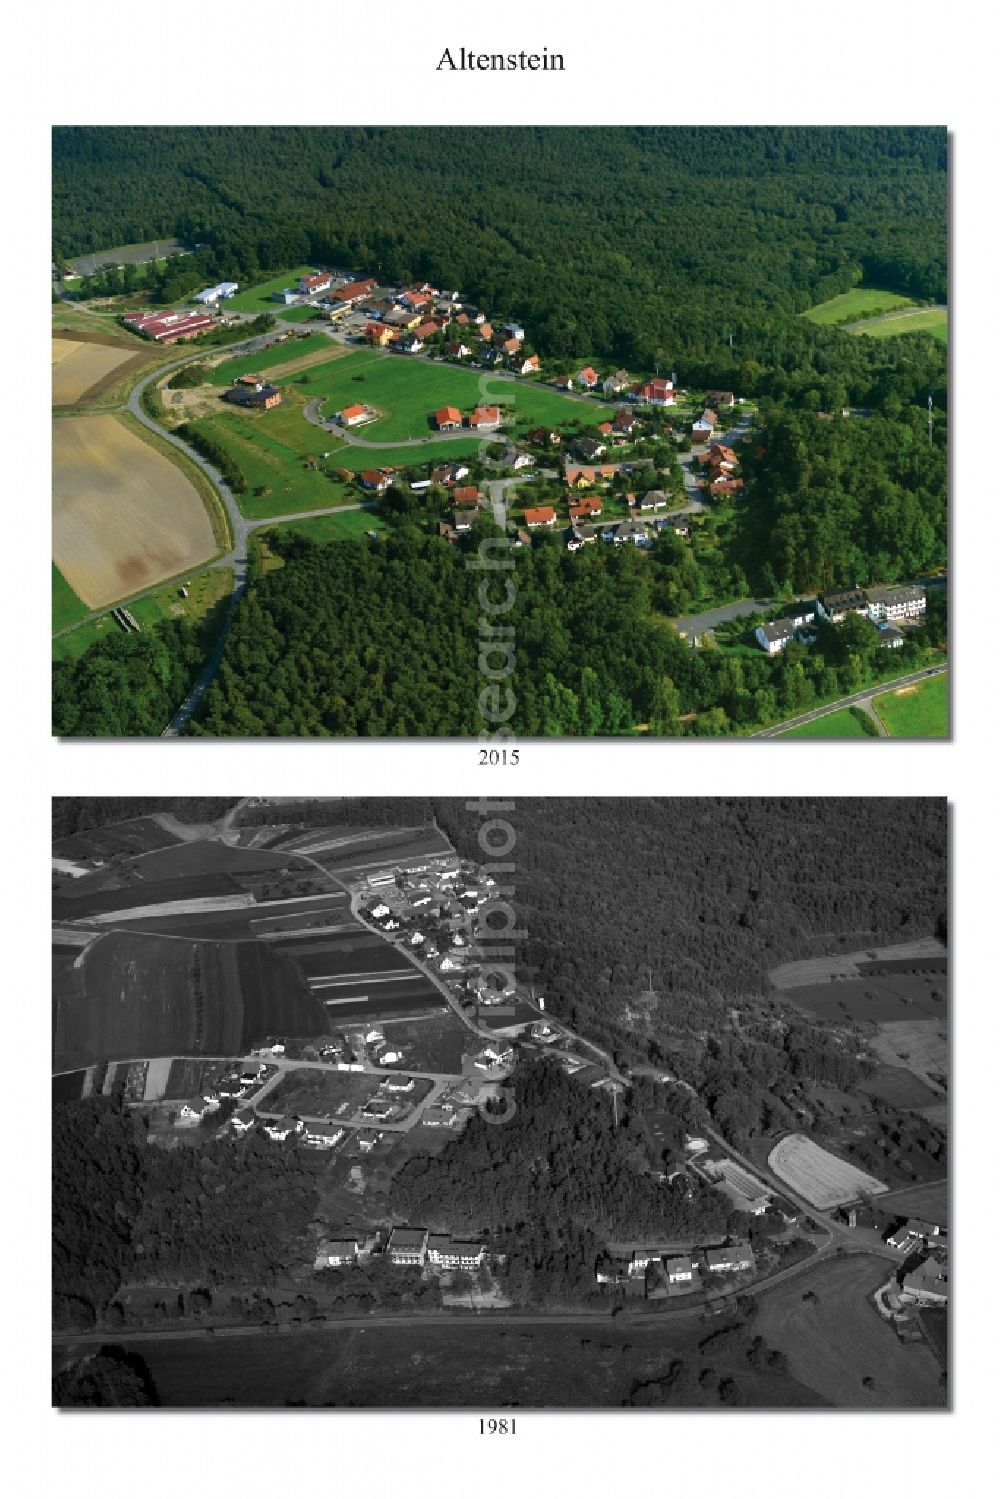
[{"x": 555, "y": 1104}]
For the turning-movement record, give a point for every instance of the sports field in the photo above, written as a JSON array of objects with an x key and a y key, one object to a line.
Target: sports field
[
  {"x": 124, "y": 515},
  {"x": 405, "y": 391},
  {"x": 208, "y": 594},
  {"x": 859, "y": 302},
  {"x": 918, "y": 712},
  {"x": 276, "y": 360},
  {"x": 843, "y": 724},
  {"x": 835, "y": 1339},
  {"x": 820, "y": 1177},
  {"x": 258, "y": 298}
]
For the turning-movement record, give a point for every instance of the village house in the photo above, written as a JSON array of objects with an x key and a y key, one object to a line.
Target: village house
[
  {"x": 573, "y": 539},
  {"x": 584, "y": 475},
  {"x": 625, "y": 423},
  {"x": 368, "y": 1139},
  {"x": 409, "y": 343},
  {"x": 514, "y": 330},
  {"x": 589, "y": 508},
  {"x": 242, "y": 1120},
  {"x": 466, "y": 494},
  {"x": 427, "y": 329},
  {"x": 311, "y": 286},
  {"x": 449, "y": 474},
  {"x": 653, "y": 499},
  {"x": 725, "y": 486},
  {"x": 655, "y": 393},
  {"x": 913, "y": 1232},
  {"x": 457, "y": 350},
  {"x": 195, "y": 1110},
  {"x": 529, "y": 366},
  {"x": 731, "y": 1260},
  {"x": 415, "y": 298},
  {"x": 485, "y": 329},
  {"x": 588, "y": 378},
  {"x": 408, "y": 1246},
  {"x": 539, "y": 515},
  {"x": 376, "y": 479},
  {"x": 448, "y": 419},
  {"x": 543, "y": 437},
  {"x": 564, "y": 382},
  {"x": 401, "y": 320},
  {"x": 679, "y": 1270},
  {"x": 890, "y": 638},
  {"x": 705, "y": 425},
  {"x": 281, "y": 1129},
  {"x": 353, "y": 416},
  {"x": 510, "y": 346},
  {"x": 485, "y": 418},
  {"x": 720, "y": 457},
  {"x": 616, "y": 383},
  {"x": 332, "y": 1253},
  {"x": 463, "y": 521},
  {"x": 378, "y": 335},
  {"x": 633, "y": 531},
  {"x": 720, "y": 400},
  {"x": 588, "y": 449},
  {"x": 775, "y": 635},
  {"x": 322, "y": 1135},
  {"x": 928, "y": 1282}
]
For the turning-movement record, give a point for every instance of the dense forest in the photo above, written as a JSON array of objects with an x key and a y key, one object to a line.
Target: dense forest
[
  {"x": 210, "y": 1213},
  {"x": 550, "y": 1183},
  {"x": 381, "y": 639},
  {"x": 630, "y": 243},
  {"x": 648, "y": 917}
]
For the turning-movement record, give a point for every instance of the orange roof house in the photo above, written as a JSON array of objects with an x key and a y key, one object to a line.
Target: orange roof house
[
  {"x": 466, "y": 494},
  {"x": 541, "y": 515},
  {"x": 485, "y": 417},
  {"x": 588, "y": 377},
  {"x": 351, "y": 415},
  {"x": 585, "y": 509},
  {"x": 447, "y": 419},
  {"x": 378, "y": 333}
]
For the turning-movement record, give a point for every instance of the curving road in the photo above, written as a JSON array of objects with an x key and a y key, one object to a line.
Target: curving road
[{"x": 860, "y": 698}]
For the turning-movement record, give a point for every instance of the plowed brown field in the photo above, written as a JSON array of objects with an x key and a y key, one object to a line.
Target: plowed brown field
[
  {"x": 82, "y": 365},
  {"x": 124, "y": 516}
]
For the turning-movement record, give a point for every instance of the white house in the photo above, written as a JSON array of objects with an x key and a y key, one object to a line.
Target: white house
[
  {"x": 729, "y": 1261},
  {"x": 902, "y": 601},
  {"x": 679, "y": 1270},
  {"x": 195, "y": 1109},
  {"x": 408, "y": 1246},
  {"x": 332, "y": 1253},
  {"x": 322, "y": 1135},
  {"x": 242, "y": 1120},
  {"x": 773, "y": 637},
  {"x": 280, "y": 1129}
]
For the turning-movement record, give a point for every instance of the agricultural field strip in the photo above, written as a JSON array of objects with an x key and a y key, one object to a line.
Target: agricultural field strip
[
  {"x": 319, "y": 981},
  {"x": 807, "y": 971},
  {"x": 816, "y": 1174}
]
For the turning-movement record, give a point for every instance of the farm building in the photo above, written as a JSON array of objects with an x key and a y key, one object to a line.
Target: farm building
[
  {"x": 220, "y": 293},
  {"x": 259, "y": 395},
  {"x": 928, "y": 1282},
  {"x": 168, "y": 327},
  {"x": 354, "y": 291}
]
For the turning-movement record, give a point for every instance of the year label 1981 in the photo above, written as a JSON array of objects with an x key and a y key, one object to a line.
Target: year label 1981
[{"x": 497, "y": 1426}]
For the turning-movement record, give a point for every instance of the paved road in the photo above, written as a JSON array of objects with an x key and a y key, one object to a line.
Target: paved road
[
  {"x": 691, "y": 625},
  {"x": 861, "y": 698}
]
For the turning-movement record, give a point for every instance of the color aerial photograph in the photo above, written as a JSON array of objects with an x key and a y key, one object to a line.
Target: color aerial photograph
[
  {"x": 409, "y": 432},
  {"x": 391, "y": 1103}
]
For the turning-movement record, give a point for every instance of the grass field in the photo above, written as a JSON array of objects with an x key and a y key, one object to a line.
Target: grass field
[
  {"x": 258, "y": 298},
  {"x": 208, "y": 594},
  {"x": 874, "y": 1000},
  {"x": 406, "y": 391},
  {"x": 358, "y": 459},
  {"x": 66, "y": 607},
  {"x": 859, "y": 302},
  {"x": 930, "y": 1201},
  {"x": 295, "y": 314},
  {"x": 272, "y": 359},
  {"x": 919, "y": 712},
  {"x": 436, "y": 1044},
  {"x": 842, "y": 724},
  {"x": 933, "y": 320},
  {"x": 124, "y": 515},
  {"x": 273, "y": 449},
  {"x": 320, "y": 1094},
  {"x": 350, "y": 525},
  {"x": 443, "y": 1363},
  {"x": 835, "y": 1340}
]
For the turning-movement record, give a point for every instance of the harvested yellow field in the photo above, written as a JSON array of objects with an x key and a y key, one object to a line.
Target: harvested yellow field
[
  {"x": 817, "y": 1175},
  {"x": 78, "y": 366},
  {"x": 124, "y": 517}
]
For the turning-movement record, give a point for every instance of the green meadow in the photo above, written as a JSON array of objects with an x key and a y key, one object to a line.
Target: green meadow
[
  {"x": 266, "y": 359},
  {"x": 406, "y": 391},
  {"x": 207, "y": 591},
  {"x": 842, "y": 724},
  {"x": 66, "y": 607},
  {"x": 258, "y": 298},
  {"x": 919, "y": 712},
  {"x": 274, "y": 450},
  {"x": 859, "y": 302},
  {"x": 933, "y": 320}
]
